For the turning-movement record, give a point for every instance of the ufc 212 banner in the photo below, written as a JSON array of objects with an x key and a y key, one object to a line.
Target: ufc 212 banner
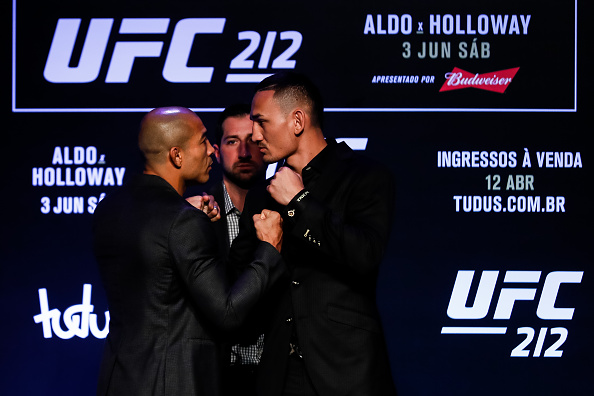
[{"x": 385, "y": 57}]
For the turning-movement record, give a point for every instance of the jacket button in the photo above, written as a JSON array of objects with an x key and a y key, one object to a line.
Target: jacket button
[
  {"x": 289, "y": 320},
  {"x": 295, "y": 283}
]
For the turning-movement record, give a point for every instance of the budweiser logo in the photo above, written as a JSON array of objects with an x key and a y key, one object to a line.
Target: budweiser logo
[{"x": 494, "y": 81}]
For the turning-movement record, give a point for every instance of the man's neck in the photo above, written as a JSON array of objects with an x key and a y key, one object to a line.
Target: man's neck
[
  {"x": 236, "y": 193},
  {"x": 177, "y": 183},
  {"x": 307, "y": 151}
]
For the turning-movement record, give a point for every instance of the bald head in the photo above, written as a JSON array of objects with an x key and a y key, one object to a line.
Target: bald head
[
  {"x": 164, "y": 128},
  {"x": 173, "y": 141}
]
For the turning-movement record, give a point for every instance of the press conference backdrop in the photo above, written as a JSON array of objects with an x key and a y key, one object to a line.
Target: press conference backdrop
[{"x": 481, "y": 110}]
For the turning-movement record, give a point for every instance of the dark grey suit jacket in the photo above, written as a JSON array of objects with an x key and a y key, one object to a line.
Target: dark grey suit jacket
[
  {"x": 335, "y": 234},
  {"x": 220, "y": 226},
  {"x": 168, "y": 296}
]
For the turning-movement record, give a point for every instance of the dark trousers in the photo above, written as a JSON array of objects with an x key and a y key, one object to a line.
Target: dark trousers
[
  {"x": 297, "y": 381},
  {"x": 239, "y": 380}
]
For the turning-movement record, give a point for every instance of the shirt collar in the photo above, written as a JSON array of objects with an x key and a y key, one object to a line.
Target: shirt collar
[
  {"x": 229, "y": 207},
  {"x": 319, "y": 162}
]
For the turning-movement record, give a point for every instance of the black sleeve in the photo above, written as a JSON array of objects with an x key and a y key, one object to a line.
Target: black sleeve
[{"x": 193, "y": 249}]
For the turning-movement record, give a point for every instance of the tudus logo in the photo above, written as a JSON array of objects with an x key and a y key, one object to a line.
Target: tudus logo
[{"x": 78, "y": 319}]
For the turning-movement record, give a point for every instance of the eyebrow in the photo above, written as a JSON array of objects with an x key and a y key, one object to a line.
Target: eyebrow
[{"x": 255, "y": 116}]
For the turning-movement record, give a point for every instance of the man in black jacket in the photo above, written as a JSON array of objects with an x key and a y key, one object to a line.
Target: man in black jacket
[
  {"x": 325, "y": 336},
  {"x": 167, "y": 292}
]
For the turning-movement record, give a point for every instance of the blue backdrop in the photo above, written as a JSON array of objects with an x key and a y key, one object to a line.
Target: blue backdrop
[{"x": 481, "y": 111}]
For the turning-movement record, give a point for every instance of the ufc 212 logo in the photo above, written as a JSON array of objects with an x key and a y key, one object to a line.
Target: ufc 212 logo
[
  {"x": 58, "y": 67},
  {"x": 525, "y": 284}
]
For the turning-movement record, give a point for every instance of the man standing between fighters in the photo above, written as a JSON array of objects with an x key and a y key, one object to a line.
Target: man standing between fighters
[{"x": 242, "y": 165}]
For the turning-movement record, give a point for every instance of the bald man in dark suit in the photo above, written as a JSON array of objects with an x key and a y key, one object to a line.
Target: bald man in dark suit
[{"x": 167, "y": 292}]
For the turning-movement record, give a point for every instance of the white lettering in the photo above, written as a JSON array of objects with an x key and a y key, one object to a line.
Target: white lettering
[
  {"x": 482, "y": 24},
  {"x": 508, "y": 296},
  {"x": 176, "y": 68},
  {"x": 92, "y": 176},
  {"x": 546, "y": 306},
  {"x": 57, "y": 69},
  {"x": 78, "y": 319},
  {"x": 457, "y": 308},
  {"x": 125, "y": 52}
]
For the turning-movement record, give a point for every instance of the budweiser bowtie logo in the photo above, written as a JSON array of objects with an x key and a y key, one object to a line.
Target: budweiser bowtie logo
[{"x": 494, "y": 81}]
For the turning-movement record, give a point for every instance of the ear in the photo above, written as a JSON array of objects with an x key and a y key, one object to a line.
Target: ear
[
  {"x": 299, "y": 117},
  {"x": 217, "y": 152},
  {"x": 175, "y": 156}
]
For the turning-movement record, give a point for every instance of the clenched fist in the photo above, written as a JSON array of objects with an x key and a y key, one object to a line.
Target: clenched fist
[
  {"x": 269, "y": 227},
  {"x": 285, "y": 184},
  {"x": 207, "y": 204}
]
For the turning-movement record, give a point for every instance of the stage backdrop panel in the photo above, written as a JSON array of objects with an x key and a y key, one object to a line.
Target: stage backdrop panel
[{"x": 480, "y": 111}]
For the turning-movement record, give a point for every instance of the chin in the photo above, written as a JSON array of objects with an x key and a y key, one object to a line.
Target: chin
[
  {"x": 270, "y": 159},
  {"x": 201, "y": 180}
]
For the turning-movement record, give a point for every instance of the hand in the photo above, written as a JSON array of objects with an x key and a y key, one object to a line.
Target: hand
[
  {"x": 207, "y": 204},
  {"x": 269, "y": 227},
  {"x": 285, "y": 184}
]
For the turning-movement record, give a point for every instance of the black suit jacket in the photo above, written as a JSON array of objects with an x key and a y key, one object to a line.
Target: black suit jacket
[
  {"x": 336, "y": 231},
  {"x": 220, "y": 226},
  {"x": 167, "y": 292}
]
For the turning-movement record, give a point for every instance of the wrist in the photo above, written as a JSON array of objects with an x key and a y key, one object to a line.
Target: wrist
[{"x": 297, "y": 205}]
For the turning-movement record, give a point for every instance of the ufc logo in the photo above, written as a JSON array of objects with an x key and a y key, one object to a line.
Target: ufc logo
[
  {"x": 57, "y": 69},
  {"x": 458, "y": 309}
]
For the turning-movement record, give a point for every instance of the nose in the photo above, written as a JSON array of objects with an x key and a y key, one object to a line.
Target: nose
[
  {"x": 256, "y": 133},
  {"x": 209, "y": 149},
  {"x": 244, "y": 150}
]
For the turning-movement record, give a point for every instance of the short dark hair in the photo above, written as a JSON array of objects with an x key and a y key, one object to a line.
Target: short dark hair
[
  {"x": 235, "y": 110},
  {"x": 291, "y": 88}
]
